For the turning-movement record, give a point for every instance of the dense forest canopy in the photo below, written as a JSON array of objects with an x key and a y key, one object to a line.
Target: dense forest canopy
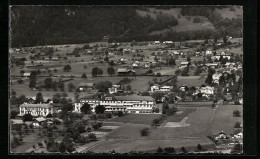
[{"x": 42, "y": 25}]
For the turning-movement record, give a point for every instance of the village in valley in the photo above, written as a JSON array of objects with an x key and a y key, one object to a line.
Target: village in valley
[{"x": 107, "y": 96}]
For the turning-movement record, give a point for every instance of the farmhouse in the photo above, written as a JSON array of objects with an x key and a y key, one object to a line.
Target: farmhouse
[
  {"x": 212, "y": 65},
  {"x": 129, "y": 103},
  {"x": 220, "y": 135},
  {"x": 157, "y": 42},
  {"x": 155, "y": 88},
  {"x": 114, "y": 89},
  {"x": 230, "y": 65},
  {"x": 36, "y": 109},
  {"x": 125, "y": 71}
]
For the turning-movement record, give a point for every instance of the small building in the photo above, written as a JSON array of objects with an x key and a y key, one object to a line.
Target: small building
[
  {"x": 155, "y": 88},
  {"x": 40, "y": 120},
  {"x": 157, "y": 42},
  {"x": 114, "y": 89},
  {"x": 125, "y": 71},
  {"x": 220, "y": 135},
  {"x": 166, "y": 88},
  {"x": 27, "y": 74},
  {"x": 168, "y": 42},
  {"x": 230, "y": 65},
  {"x": 17, "y": 121}
]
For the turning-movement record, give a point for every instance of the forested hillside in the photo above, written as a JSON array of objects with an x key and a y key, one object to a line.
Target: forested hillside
[{"x": 42, "y": 25}]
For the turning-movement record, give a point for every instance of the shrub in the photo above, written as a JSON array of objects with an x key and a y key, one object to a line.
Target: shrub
[
  {"x": 183, "y": 149},
  {"x": 40, "y": 144},
  {"x": 237, "y": 125},
  {"x": 236, "y": 113},
  {"x": 120, "y": 113},
  {"x": 199, "y": 147},
  {"x": 144, "y": 132},
  {"x": 92, "y": 136},
  {"x": 169, "y": 149}
]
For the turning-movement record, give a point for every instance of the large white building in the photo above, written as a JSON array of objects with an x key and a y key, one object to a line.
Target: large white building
[
  {"x": 128, "y": 103},
  {"x": 36, "y": 109}
]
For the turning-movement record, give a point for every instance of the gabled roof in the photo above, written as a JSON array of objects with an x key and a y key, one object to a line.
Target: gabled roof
[
  {"x": 122, "y": 70},
  {"x": 40, "y": 119}
]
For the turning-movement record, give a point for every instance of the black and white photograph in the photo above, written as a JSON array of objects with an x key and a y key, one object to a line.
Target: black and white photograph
[{"x": 139, "y": 79}]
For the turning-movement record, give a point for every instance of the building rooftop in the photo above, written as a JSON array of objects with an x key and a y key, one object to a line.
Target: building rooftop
[
  {"x": 134, "y": 98},
  {"x": 40, "y": 105}
]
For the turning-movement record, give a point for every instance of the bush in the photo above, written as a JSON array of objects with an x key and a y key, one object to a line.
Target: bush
[
  {"x": 109, "y": 115},
  {"x": 53, "y": 146},
  {"x": 158, "y": 74},
  {"x": 92, "y": 136},
  {"x": 237, "y": 125},
  {"x": 169, "y": 149},
  {"x": 40, "y": 144},
  {"x": 144, "y": 132},
  {"x": 183, "y": 149}
]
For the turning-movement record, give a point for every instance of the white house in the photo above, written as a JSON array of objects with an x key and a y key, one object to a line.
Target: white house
[
  {"x": 230, "y": 65},
  {"x": 36, "y": 109},
  {"x": 157, "y": 42},
  {"x": 26, "y": 74},
  {"x": 168, "y": 42},
  {"x": 208, "y": 52},
  {"x": 239, "y": 135},
  {"x": 114, "y": 89}
]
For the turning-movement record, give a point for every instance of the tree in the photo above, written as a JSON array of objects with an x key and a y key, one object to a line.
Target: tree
[
  {"x": 165, "y": 107},
  {"x": 185, "y": 71},
  {"x": 157, "y": 96},
  {"x": 85, "y": 66},
  {"x": 106, "y": 59},
  {"x": 84, "y": 76},
  {"x": 183, "y": 149},
  {"x": 20, "y": 81},
  {"x": 209, "y": 80},
  {"x": 92, "y": 136},
  {"x": 128, "y": 88},
  {"x": 95, "y": 71},
  {"x": 27, "y": 117},
  {"x": 32, "y": 83},
  {"x": 61, "y": 85},
  {"x": 54, "y": 85},
  {"x": 22, "y": 72},
  {"x": 13, "y": 114},
  {"x": 111, "y": 71},
  {"x": 48, "y": 83},
  {"x": 67, "y": 68},
  {"x": 103, "y": 86},
  {"x": 39, "y": 98},
  {"x": 237, "y": 125},
  {"x": 188, "y": 59},
  {"x": 71, "y": 87},
  {"x": 100, "y": 109},
  {"x": 156, "y": 122},
  {"x": 211, "y": 71},
  {"x": 85, "y": 108},
  {"x": 178, "y": 72},
  {"x": 120, "y": 113},
  {"x": 199, "y": 147}
]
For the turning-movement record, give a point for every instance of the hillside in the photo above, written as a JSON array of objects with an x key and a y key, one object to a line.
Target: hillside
[{"x": 47, "y": 25}]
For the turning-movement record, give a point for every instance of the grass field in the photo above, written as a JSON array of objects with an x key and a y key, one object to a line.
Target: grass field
[
  {"x": 195, "y": 81},
  {"x": 182, "y": 112}
]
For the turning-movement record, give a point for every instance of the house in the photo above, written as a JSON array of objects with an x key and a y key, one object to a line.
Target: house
[
  {"x": 86, "y": 86},
  {"x": 208, "y": 52},
  {"x": 55, "y": 59},
  {"x": 207, "y": 90},
  {"x": 166, "y": 88},
  {"x": 157, "y": 42},
  {"x": 27, "y": 74},
  {"x": 220, "y": 135},
  {"x": 125, "y": 71},
  {"x": 146, "y": 65},
  {"x": 155, "y": 88},
  {"x": 135, "y": 65},
  {"x": 176, "y": 53},
  {"x": 184, "y": 64},
  {"x": 182, "y": 88},
  {"x": 230, "y": 65},
  {"x": 216, "y": 77},
  {"x": 36, "y": 109},
  {"x": 114, "y": 89},
  {"x": 239, "y": 135}
]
